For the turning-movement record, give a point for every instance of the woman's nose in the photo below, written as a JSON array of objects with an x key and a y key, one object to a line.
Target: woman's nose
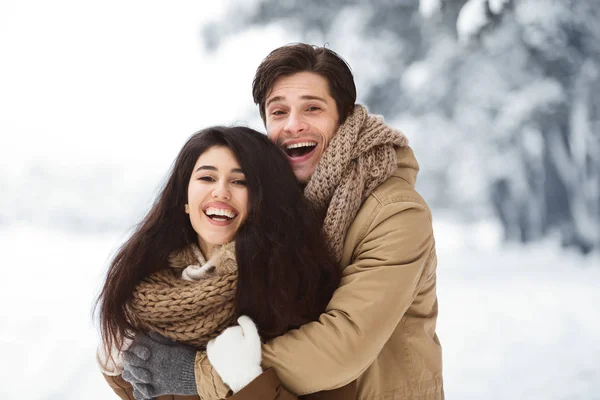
[{"x": 221, "y": 191}]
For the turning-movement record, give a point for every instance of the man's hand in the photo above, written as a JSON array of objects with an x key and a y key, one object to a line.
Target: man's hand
[
  {"x": 236, "y": 353},
  {"x": 155, "y": 366}
]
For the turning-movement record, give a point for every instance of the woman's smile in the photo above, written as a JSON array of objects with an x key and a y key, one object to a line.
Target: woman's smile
[{"x": 219, "y": 213}]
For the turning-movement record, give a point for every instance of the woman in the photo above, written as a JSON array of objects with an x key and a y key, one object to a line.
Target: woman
[{"x": 226, "y": 184}]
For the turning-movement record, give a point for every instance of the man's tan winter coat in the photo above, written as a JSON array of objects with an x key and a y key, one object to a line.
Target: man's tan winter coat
[{"x": 379, "y": 327}]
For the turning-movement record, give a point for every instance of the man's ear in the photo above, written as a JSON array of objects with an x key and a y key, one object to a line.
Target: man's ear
[{"x": 187, "y": 209}]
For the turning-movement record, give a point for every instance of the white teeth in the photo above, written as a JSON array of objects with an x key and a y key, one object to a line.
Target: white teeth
[
  {"x": 303, "y": 144},
  {"x": 220, "y": 212}
]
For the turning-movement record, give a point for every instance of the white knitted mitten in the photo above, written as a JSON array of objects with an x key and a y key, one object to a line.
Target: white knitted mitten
[{"x": 236, "y": 354}]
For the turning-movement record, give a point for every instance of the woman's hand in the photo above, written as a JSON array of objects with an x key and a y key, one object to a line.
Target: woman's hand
[
  {"x": 155, "y": 366},
  {"x": 236, "y": 354}
]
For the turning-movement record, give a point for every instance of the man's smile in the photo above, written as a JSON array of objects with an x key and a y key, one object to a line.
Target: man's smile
[{"x": 298, "y": 150}]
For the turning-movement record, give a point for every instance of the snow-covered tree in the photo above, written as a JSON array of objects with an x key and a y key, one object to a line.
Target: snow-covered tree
[{"x": 499, "y": 98}]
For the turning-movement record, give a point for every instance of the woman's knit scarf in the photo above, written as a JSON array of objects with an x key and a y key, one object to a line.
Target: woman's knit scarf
[
  {"x": 360, "y": 157},
  {"x": 191, "y": 302}
]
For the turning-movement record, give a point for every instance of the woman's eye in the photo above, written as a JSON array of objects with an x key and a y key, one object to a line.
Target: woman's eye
[
  {"x": 206, "y": 179},
  {"x": 241, "y": 182}
]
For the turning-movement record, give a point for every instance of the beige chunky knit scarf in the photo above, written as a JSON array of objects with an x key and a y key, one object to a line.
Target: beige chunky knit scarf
[
  {"x": 359, "y": 158},
  {"x": 191, "y": 302}
]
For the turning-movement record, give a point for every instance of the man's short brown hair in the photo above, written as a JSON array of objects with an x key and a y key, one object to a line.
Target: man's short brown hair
[{"x": 300, "y": 57}]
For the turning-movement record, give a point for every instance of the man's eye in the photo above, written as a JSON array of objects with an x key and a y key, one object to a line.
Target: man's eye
[
  {"x": 313, "y": 108},
  {"x": 277, "y": 112}
]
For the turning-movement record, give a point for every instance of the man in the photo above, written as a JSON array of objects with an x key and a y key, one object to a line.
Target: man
[{"x": 379, "y": 328}]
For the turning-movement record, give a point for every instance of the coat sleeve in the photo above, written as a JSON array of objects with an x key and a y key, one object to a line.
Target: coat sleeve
[
  {"x": 120, "y": 386},
  {"x": 267, "y": 386},
  {"x": 208, "y": 382},
  {"x": 111, "y": 368},
  {"x": 377, "y": 289}
]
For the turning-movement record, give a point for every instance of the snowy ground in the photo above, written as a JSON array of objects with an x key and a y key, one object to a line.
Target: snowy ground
[{"x": 515, "y": 323}]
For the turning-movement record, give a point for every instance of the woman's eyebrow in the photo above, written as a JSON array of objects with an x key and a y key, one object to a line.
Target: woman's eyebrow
[
  {"x": 206, "y": 167},
  {"x": 211, "y": 168}
]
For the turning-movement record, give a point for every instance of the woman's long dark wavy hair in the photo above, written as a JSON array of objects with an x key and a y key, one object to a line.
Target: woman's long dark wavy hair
[{"x": 286, "y": 274}]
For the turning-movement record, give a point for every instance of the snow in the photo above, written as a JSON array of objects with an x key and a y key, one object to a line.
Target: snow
[
  {"x": 496, "y": 6},
  {"x": 429, "y": 8},
  {"x": 473, "y": 16},
  {"x": 47, "y": 339},
  {"x": 515, "y": 322},
  {"x": 471, "y": 19},
  {"x": 416, "y": 76}
]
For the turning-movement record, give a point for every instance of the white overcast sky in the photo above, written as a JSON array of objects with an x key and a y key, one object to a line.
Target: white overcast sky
[{"x": 115, "y": 82}]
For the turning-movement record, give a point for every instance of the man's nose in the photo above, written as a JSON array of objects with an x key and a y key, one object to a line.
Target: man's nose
[{"x": 295, "y": 123}]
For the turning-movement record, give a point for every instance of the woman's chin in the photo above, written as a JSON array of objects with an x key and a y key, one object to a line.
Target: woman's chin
[{"x": 213, "y": 242}]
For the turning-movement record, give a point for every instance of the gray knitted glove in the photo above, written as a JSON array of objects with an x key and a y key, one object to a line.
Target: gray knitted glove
[{"x": 156, "y": 366}]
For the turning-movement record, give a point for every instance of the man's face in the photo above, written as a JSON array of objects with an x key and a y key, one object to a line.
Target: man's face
[{"x": 301, "y": 118}]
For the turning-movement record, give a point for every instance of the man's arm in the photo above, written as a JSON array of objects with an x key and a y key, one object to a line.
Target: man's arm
[{"x": 376, "y": 290}]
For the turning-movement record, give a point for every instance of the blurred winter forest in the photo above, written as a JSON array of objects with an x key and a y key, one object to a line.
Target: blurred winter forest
[{"x": 500, "y": 98}]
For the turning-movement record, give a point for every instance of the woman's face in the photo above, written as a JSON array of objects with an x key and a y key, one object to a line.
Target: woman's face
[{"x": 217, "y": 198}]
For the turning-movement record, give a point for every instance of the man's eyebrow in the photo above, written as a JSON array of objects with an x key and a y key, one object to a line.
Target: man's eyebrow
[
  {"x": 274, "y": 99},
  {"x": 304, "y": 97},
  {"x": 211, "y": 168},
  {"x": 311, "y": 97}
]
